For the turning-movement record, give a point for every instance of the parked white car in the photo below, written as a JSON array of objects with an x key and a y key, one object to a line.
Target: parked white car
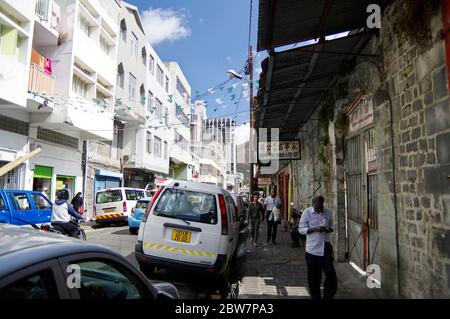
[
  {"x": 189, "y": 226},
  {"x": 115, "y": 204}
]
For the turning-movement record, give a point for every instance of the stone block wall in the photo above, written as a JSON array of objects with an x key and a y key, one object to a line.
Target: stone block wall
[{"x": 417, "y": 84}]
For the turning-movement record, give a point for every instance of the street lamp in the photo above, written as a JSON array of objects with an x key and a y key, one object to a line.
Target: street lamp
[{"x": 234, "y": 74}]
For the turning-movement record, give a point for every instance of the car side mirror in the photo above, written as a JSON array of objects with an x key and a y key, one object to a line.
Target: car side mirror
[
  {"x": 166, "y": 291},
  {"x": 164, "y": 295}
]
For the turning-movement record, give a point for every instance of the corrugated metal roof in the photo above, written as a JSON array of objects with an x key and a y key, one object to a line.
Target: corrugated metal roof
[
  {"x": 283, "y": 22},
  {"x": 293, "y": 81}
]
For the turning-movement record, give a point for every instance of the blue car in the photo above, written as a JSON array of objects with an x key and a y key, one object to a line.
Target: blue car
[
  {"x": 19, "y": 207},
  {"x": 137, "y": 213}
]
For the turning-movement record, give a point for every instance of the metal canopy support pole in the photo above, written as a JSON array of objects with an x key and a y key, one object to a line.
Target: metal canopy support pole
[{"x": 252, "y": 120}]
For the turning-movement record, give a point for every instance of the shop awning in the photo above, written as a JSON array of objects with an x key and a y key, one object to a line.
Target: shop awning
[
  {"x": 293, "y": 81},
  {"x": 283, "y": 22}
]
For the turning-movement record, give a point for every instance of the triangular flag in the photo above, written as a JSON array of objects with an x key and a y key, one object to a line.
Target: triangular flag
[
  {"x": 232, "y": 96},
  {"x": 245, "y": 85},
  {"x": 234, "y": 85},
  {"x": 219, "y": 101},
  {"x": 211, "y": 91},
  {"x": 169, "y": 98},
  {"x": 221, "y": 88},
  {"x": 230, "y": 89}
]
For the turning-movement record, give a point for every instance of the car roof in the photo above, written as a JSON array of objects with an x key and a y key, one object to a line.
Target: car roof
[
  {"x": 21, "y": 247},
  {"x": 197, "y": 186}
]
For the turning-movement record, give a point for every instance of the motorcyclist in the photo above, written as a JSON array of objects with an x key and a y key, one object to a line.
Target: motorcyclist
[{"x": 62, "y": 212}]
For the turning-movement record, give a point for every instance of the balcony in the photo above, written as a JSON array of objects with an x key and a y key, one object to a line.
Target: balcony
[
  {"x": 89, "y": 117},
  {"x": 130, "y": 112},
  {"x": 41, "y": 90},
  {"x": 46, "y": 28}
]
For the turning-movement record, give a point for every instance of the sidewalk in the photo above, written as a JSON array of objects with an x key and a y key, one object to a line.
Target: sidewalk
[{"x": 279, "y": 271}]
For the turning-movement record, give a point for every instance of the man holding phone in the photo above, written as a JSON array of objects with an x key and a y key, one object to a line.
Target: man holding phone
[{"x": 316, "y": 223}]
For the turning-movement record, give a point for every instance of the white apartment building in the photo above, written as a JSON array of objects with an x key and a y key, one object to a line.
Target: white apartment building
[
  {"x": 64, "y": 86},
  {"x": 16, "y": 34},
  {"x": 181, "y": 164}
]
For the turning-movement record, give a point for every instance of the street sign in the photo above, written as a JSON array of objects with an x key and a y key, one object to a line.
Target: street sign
[{"x": 281, "y": 150}]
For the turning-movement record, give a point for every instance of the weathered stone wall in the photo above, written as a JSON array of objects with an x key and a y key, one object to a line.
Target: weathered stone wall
[{"x": 417, "y": 84}]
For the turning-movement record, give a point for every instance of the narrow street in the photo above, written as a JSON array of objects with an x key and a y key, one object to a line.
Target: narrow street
[{"x": 266, "y": 271}]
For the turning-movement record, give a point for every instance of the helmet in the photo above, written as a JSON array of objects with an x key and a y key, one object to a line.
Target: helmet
[{"x": 62, "y": 194}]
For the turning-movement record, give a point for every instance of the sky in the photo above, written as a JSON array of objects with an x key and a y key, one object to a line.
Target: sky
[{"x": 206, "y": 38}]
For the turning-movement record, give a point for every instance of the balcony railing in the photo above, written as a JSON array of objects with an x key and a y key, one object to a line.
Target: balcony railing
[
  {"x": 41, "y": 82},
  {"x": 48, "y": 11}
]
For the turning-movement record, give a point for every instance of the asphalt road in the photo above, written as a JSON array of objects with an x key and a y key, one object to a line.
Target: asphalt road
[{"x": 120, "y": 240}]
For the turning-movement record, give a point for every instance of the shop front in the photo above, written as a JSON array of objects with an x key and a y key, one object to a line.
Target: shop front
[
  {"x": 66, "y": 182},
  {"x": 106, "y": 179},
  {"x": 42, "y": 178}
]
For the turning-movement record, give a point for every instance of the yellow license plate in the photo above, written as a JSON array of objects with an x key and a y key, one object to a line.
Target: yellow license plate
[
  {"x": 108, "y": 211},
  {"x": 181, "y": 236}
]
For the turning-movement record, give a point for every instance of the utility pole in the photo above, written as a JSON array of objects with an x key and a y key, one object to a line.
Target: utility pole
[{"x": 251, "y": 142}]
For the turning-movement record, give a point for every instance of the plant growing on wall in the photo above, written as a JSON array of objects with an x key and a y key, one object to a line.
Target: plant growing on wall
[{"x": 414, "y": 22}]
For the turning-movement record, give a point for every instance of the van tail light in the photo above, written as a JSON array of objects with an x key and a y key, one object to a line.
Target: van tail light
[
  {"x": 223, "y": 214},
  {"x": 125, "y": 209},
  {"x": 149, "y": 207}
]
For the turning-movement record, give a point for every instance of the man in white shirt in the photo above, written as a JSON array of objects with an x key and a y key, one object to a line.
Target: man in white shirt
[
  {"x": 270, "y": 203},
  {"x": 316, "y": 223}
]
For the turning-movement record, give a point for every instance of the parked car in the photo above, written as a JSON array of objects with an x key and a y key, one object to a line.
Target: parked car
[
  {"x": 242, "y": 211},
  {"x": 21, "y": 207},
  {"x": 189, "y": 226},
  {"x": 37, "y": 265},
  {"x": 115, "y": 204},
  {"x": 134, "y": 221}
]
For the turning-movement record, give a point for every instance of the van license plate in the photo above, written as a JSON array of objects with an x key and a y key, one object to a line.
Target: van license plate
[
  {"x": 108, "y": 211},
  {"x": 181, "y": 236}
]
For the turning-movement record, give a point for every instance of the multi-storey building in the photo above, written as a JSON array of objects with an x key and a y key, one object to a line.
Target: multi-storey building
[
  {"x": 147, "y": 147},
  {"x": 181, "y": 165},
  {"x": 16, "y": 37}
]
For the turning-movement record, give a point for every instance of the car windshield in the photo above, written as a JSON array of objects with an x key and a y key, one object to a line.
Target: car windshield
[
  {"x": 109, "y": 196},
  {"x": 134, "y": 194},
  {"x": 142, "y": 204},
  {"x": 188, "y": 206}
]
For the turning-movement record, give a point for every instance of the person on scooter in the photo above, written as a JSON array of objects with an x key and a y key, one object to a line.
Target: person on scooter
[{"x": 62, "y": 212}]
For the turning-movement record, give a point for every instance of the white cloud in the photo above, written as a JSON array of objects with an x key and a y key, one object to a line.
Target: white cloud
[{"x": 162, "y": 25}]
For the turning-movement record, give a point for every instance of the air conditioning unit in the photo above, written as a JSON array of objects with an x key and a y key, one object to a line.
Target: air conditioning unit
[{"x": 129, "y": 158}]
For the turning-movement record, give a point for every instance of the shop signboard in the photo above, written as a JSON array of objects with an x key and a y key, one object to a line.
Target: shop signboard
[
  {"x": 264, "y": 181},
  {"x": 281, "y": 150},
  {"x": 362, "y": 114}
]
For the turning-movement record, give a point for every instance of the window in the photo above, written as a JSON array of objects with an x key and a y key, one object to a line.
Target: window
[
  {"x": 108, "y": 280},
  {"x": 9, "y": 40},
  {"x": 57, "y": 138},
  {"x": 132, "y": 89},
  {"x": 132, "y": 194},
  {"x": 149, "y": 142},
  {"x": 231, "y": 209},
  {"x": 12, "y": 125},
  {"x": 182, "y": 90},
  {"x": 123, "y": 30},
  {"x": 150, "y": 102},
  {"x": 37, "y": 286},
  {"x": 160, "y": 76},
  {"x": 79, "y": 87},
  {"x": 142, "y": 92},
  {"x": 157, "y": 146},
  {"x": 144, "y": 56},
  {"x": 120, "y": 76},
  {"x": 167, "y": 84},
  {"x": 104, "y": 46},
  {"x": 83, "y": 24},
  {"x": 187, "y": 205},
  {"x": 20, "y": 201},
  {"x": 151, "y": 66},
  {"x": 110, "y": 196},
  {"x": 41, "y": 202},
  {"x": 134, "y": 45},
  {"x": 158, "y": 109},
  {"x": 166, "y": 153},
  {"x": 2, "y": 204}
]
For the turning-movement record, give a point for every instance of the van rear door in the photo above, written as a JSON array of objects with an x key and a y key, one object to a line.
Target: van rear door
[
  {"x": 109, "y": 201},
  {"x": 183, "y": 225}
]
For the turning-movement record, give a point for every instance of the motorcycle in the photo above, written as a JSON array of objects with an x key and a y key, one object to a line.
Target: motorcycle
[{"x": 59, "y": 230}]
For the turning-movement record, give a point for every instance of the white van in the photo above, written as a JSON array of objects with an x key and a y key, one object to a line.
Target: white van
[
  {"x": 115, "y": 204},
  {"x": 189, "y": 226}
]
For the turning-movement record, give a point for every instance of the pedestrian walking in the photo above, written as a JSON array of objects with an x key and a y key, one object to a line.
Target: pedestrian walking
[
  {"x": 256, "y": 214},
  {"x": 270, "y": 203},
  {"x": 78, "y": 203},
  {"x": 316, "y": 223}
]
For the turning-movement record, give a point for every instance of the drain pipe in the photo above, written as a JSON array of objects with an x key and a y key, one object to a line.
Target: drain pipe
[{"x": 85, "y": 169}]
